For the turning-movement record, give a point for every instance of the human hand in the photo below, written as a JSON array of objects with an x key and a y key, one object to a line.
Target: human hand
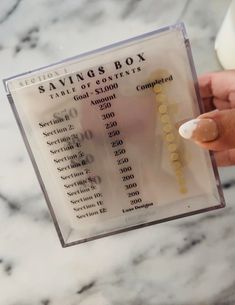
[{"x": 215, "y": 129}]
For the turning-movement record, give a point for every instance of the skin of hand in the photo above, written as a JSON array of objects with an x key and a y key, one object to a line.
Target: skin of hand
[{"x": 215, "y": 129}]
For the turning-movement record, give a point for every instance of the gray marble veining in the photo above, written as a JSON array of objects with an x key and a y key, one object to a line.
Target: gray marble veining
[{"x": 188, "y": 261}]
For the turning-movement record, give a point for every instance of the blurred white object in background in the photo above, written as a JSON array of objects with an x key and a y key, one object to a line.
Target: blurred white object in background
[{"x": 225, "y": 40}]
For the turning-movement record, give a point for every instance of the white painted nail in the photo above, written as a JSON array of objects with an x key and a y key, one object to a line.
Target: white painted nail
[
  {"x": 186, "y": 130},
  {"x": 200, "y": 130}
]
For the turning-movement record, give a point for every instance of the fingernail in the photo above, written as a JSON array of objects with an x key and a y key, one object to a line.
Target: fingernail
[{"x": 201, "y": 130}]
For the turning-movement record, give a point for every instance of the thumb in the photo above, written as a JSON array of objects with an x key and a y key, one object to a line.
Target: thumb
[{"x": 213, "y": 130}]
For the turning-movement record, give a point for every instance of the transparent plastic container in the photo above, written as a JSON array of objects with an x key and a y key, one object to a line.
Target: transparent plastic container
[{"x": 101, "y": 130}]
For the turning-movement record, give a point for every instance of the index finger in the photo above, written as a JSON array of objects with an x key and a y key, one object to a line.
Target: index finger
[
  {"x": 217, "y": 84},
  {"x": 205, "y": 87},
  {"x": 205, "y": 90}
]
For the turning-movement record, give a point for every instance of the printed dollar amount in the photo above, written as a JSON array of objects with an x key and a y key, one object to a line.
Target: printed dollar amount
[{"x": 120, "y": 153}]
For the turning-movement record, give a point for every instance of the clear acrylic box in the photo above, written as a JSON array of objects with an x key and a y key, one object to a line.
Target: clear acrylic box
[{"x": 101, "y": 130}]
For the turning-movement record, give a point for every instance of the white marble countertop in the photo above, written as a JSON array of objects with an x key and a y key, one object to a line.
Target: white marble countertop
[{"x": 188, "y": 261}]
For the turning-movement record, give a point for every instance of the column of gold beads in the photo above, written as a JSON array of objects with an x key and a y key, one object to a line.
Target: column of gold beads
[{"x": 169, "y": 137}]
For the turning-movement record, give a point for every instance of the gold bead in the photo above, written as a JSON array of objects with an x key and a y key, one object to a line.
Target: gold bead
[
  {"x": 172, "y": 147},
  {"x": 162, "y": 109},
  {"x": 161, "y": 98},
  {"x": 167, "y": 128},
  {"x": 183, "y": 190},
  {"x": 157, "y": 88},
  {"x": 165, "y": 118},
  {"x": 181, "y": 180},
  {"x": 176, "y": 165},
  {"x": 174, "y": 156},
  {"x": 178, "y": 173},
  {"x": 170, "y": 137}
]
